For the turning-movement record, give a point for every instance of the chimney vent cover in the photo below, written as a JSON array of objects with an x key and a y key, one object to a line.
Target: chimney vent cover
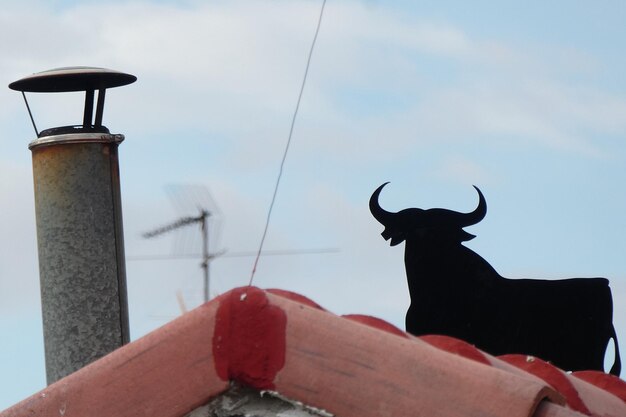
[{"x": 72, "y": 79}]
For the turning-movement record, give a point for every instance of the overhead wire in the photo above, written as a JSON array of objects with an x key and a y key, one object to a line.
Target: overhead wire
[{"x": 286, "y": 151}]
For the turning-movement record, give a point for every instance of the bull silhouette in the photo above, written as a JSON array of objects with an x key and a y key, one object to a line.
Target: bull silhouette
[{"x": 455, "y": 292}]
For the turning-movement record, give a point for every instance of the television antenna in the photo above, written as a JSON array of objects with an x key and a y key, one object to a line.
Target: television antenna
[
  {"x": 198, "y": 198},
  {"x": 202, "y": 219}
]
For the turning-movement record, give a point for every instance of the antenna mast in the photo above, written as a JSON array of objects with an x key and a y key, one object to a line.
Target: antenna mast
[
  {"x": 204, "y": 227},
  {"x": 205, "y": 252}
]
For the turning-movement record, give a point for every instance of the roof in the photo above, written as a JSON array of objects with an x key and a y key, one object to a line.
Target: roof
[{"x": 349, "y": 366}]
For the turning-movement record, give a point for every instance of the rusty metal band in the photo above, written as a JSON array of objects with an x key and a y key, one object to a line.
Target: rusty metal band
[{"x": 73, "y": 138}]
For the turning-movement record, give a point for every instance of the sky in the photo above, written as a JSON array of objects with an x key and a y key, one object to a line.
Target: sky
[{"x": 526, "y": 101}]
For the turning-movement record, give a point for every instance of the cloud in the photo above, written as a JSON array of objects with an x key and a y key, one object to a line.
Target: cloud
[
  {"x": 228, "y": 67},
  {"x": 19, "y": 284},
  {"x": 462, "y": 170},
  {"x": 383, "y": 90}
]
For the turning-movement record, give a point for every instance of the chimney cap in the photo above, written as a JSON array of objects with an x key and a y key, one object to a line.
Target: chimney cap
[{"x": 68, "y": 79}]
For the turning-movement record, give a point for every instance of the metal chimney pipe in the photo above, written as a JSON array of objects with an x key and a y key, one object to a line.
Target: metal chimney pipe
[{"x": 79, "y": 226}]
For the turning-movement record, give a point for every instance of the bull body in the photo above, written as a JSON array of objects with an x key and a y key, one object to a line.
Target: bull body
[{"x": 455, "y": 292}]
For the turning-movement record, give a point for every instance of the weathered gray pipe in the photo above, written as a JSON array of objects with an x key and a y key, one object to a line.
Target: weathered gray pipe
[
  {"x": 79, "y": 224},
  {"x": 81, "y": 248}
]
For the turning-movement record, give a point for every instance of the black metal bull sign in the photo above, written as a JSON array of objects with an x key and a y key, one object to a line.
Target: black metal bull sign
[{"x": 455, "y": 292}]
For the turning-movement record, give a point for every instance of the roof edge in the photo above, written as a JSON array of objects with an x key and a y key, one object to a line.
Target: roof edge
[
  {"x": 102, "y": 387},
  {"x": 271, "y": 342}
]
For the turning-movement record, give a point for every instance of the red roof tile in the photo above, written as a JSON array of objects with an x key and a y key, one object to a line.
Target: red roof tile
[
  {"x": 459, "y": 347},
  {"x": 607, "y": 382},
  {"x": 553, "y": 376},
  {"x": 377, "y": 323},
  {"x": 347, "y": 366}
]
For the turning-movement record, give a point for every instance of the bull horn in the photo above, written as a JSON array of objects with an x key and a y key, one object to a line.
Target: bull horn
[
  {"x": 383, "y": 216},
  {"x": 478, "y": 214}
]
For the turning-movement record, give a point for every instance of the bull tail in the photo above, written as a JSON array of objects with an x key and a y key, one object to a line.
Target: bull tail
[{"x": 617, "y": 364}]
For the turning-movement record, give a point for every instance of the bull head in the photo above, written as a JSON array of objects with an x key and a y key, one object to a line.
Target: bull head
[{"x": 415, "y": 222}]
